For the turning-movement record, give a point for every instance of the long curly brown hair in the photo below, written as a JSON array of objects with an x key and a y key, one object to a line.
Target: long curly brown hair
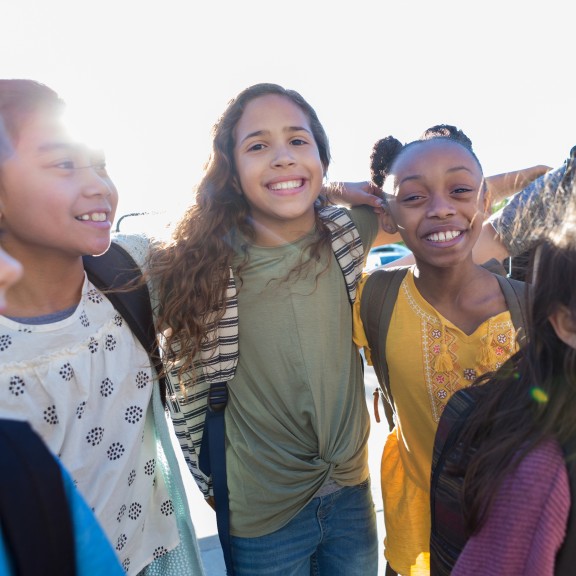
[{"x": 191, "y": 272}]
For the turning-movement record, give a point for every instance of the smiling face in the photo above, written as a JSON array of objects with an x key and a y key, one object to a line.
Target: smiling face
[
  {"x": 278, "y": 167},
  {"x": 55, "y": 195},
  {"x": 436, "y": 200}
]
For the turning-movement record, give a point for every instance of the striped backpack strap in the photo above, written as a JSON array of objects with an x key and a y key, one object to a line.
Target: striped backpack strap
[{"x": 346, "y": 245}]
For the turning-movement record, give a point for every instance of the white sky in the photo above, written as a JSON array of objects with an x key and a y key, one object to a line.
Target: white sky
[{"x": 151, "y": 77}]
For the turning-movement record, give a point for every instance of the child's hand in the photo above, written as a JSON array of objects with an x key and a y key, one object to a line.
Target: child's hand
[{"x": 354, "y": 194}]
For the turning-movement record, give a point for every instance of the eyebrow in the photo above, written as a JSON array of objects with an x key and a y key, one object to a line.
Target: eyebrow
[
  {"x": 55, "y": 146},
  {"x": 449, "y": 171},
  {"x": 288, "y": 129}
]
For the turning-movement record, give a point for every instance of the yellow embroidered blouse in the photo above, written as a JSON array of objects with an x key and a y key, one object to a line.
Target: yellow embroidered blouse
[{"x": 429, "y": 359}]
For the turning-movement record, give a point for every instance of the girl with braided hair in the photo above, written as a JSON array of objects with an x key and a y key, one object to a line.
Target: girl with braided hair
[{"x": 450, "y": 320}]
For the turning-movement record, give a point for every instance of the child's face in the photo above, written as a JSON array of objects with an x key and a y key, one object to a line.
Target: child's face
[
  {"x": 436, "y": 201},
  {"x": 10, "y": 272},
  {"x": 55, "y": 194},
  {"x": 278, "y": 165}
]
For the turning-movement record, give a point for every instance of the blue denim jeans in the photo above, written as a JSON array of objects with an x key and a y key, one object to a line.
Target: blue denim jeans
[{"x": 332, "y": 535}]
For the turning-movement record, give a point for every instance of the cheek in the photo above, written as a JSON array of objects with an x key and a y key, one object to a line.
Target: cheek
[{"x": 245, "y": 173}]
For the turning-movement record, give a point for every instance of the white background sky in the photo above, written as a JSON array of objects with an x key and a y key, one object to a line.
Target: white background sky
[{"x": 151, "y": 77}]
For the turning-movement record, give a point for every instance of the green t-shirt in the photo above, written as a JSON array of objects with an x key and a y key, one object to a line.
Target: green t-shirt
[{"x": 297, "y": 412}]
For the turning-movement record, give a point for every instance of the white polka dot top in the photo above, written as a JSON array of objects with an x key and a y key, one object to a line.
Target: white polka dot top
[{"x": 84, "y": 383}]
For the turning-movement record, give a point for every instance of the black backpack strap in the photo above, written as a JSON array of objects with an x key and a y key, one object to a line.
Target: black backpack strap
[
  {"x": 448, "y": 530},
  {"x": 212, "y": 462},
  {"x": 114, "y": 270},
  {"x": 516, "y": 294},
  {"x": 378, "y": 299},
  {"x": 34, "y": 512}
]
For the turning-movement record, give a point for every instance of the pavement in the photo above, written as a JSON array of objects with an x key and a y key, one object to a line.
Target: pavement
[{"x": 205, "y": 519}]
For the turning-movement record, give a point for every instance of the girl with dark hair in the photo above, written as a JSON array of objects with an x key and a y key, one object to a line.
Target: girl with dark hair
[
  {"x": 510, "y": 461},
  {"x": 450, "y": 320},
  {"x": 70, "y": 364}
]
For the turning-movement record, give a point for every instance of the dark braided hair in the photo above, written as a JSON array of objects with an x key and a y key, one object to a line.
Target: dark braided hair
[{"x": 387, "y": 150}]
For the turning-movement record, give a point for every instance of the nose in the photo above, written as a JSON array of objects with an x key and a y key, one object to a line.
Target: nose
[
  {"x": 440, "y": 206},
  {"x": 283, "y": 156},
  {"x": 96, "y": 182}
]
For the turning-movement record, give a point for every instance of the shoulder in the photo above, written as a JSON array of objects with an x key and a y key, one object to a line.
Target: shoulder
[
  {"x": 137, "y": 245},
  {"x": 543, "y": 465},
  {"x": 365, "y": 221}
]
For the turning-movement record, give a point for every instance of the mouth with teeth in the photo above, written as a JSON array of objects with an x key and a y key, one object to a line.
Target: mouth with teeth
[
  {"x": 286, "y": 185},
  {"x": 444, "y": 236},
  {"x": 93, "y": 217}
]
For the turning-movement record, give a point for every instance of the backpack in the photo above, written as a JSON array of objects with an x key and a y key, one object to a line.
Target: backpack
[
  {"x": 448, "y": 535},
  {"x": 34, "y": 512},
  {"x": 378, "y": 301},
  {"x": 30, "y": 478},
  {"x": 116, "y": 269}
]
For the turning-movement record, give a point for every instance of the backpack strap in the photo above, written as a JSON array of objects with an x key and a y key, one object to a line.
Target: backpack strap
[
  {"x": 448, "y": 534},
  {"x": 346, "y": 245},
  {"x": 116, "y": 269},
  {"x": 212, "y": 462},
  {"x": 378, "y": 299},
  {"x": 516, "y": 294},
  {"x": 34, "y": 511}
]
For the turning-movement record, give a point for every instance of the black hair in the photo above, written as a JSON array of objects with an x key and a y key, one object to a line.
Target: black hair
[{"x": 387, "y": 150}]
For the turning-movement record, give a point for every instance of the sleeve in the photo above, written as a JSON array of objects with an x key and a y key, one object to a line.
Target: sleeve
[
  {"x": 527, "y": 522},
  {"x": 518, "y": 232},
  {"x": 366, "y": 222},
  {"x": 358, "y": 333}
]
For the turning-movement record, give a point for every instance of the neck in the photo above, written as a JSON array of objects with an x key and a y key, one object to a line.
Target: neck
[
  {"x": 279, "y": 235},
  {"x": 46, "y": 288},
  {"x": 439, "y": 285}
]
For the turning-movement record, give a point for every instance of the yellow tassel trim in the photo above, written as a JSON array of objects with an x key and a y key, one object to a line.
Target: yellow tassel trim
[
  {"x": 488, "y": 357},
  {"x": 443, "y": 362}
]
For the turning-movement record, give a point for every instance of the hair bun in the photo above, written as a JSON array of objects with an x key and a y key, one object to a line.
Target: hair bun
[{"x": 383, "y": 155}]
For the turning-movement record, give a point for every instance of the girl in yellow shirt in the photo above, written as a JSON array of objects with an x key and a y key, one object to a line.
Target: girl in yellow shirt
[{"x": 450, "y": 322}]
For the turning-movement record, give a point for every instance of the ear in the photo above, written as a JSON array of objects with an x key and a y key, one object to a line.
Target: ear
[
  {"x": 387, "y": 222},
  {"x": 564, "y": 325}
]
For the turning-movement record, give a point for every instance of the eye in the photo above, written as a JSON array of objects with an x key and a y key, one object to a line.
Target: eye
[
  {"x": 256, "y": 147},
  {"x": 412, "y": 197},
  {"x": 462, "y": 190},
  {"x": 65, "y": 165},
  {"x": 298, "y": 142}
]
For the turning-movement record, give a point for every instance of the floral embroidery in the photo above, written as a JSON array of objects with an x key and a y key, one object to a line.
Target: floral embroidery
[
  {"x": 470, "y": 374},
  {"x": 437, "y": 339}
]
